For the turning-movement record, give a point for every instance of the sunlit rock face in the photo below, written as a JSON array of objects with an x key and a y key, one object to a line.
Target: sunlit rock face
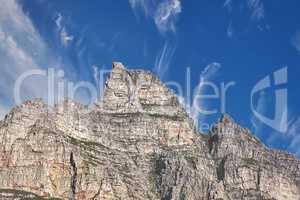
[{"x": 137, "y": 142}]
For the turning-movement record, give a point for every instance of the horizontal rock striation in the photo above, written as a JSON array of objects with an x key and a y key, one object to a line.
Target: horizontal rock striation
[{"x": 137, "y": 142}]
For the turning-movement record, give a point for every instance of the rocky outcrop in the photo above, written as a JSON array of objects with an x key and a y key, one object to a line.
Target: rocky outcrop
[{"x": 136, "y": 143}]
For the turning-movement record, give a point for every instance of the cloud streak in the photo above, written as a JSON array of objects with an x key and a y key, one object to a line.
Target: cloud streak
[
  {"x": 295, "y": 41},
  {"x": 164, "y": 57},
  {"x": 291, "y": 136},
  {"x": 257, "y": 9},
  {"x": 164, "y": 14},
  {"x": 21, "y": 49},
  {"x": 230, "y": 30},
  {"x": 65, "y": 37},
  {"x": 146, "y": 6},
  {"x": 260, "y": 108},
  {"x": 206, "y": 75},
  {"x": 3, "y": 111},
  {"x": 294, "y": 133},
  {"x": 294, "y": 127}
]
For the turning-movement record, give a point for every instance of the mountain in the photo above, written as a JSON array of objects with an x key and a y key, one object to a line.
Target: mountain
[{"x": 137, "y": 142}]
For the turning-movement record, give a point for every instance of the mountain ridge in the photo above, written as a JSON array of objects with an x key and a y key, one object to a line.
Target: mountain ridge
[{"x": 136, "y": 143}]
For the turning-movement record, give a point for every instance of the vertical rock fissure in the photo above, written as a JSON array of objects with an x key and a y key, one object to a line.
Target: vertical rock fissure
[
  {"x": 73, "y": 176},
  {"x": 212, "y": 143},
  {"x": 221, "y": 170},
  {"x": 258, "y": 179}
]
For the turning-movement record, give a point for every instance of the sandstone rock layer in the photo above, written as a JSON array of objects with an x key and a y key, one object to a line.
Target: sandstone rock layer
[{"x": 137, "y": 142}]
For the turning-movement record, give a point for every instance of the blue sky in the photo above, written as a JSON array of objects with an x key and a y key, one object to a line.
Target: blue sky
[{"x": 217, "y": 40}]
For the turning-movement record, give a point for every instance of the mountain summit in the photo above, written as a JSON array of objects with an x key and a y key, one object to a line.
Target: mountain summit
[{"x": 137, "y": 142}]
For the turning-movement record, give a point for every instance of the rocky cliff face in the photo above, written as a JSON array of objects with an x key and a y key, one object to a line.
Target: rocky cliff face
[{"x": 136, "y": 143}]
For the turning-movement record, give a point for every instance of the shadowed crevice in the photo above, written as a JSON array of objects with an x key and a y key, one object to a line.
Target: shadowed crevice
[{"x": 73, "y": 176}]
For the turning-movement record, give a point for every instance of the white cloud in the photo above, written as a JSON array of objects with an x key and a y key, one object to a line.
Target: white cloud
[
  {"x": 65, "y": 37},
  {"x": 146, "y": 6},
  {"x": 182, "y": 101},
  {"x": 21, "y": 49},
  {"x": 164, "y": 13},
  {"x": 293, "y": 127},
  {"x": 230, "y": 30},
  {"x": 58, "y": 21},
  {"x": 206, "y": 75},
  {"x": 228, "y": 5},
  {"x": 294, "y": 133},
  {"x": 209, "y": 71},
  {"x": 3, "y": 111},
  {"x": 295, "y": 41},
  {"x": 164, "y": 57},
  {"x": 96, "y": 76},
  {"x": 260, "y": 108},
  {"x": 294, "y": 146},
  {"x": 256, "y": 8}
]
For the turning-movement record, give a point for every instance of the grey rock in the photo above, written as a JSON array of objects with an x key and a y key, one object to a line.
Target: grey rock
[{"x": 137, "y": 142}]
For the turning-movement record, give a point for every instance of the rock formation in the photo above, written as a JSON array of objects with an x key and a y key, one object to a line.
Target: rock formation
[{"x": 137, "y": 142}]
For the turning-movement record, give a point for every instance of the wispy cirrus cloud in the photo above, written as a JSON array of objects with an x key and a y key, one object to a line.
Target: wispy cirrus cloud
[
  {"x": 164, "y": 58},
  {"x": 146, "y": 6},
  {"x": 294, "y": 146},
  {"x": 294, "y": 127},
  {"x": 295, "y": 41},
  {"x": 196, "y": 108},
  {"x": 22, "y": 49},
  {"x": 230, "y": 30},
  {"x": 164, "y": 13},
  {"x": 294, "y": 133},
  {"x": 255, "y": 8},
  {"x": 198, "y": 105},
  {"x": 65, "y": 36},
  {"x": 3, "y": 110},
  {"x": 228, "y": 5},
  {"x": 96, "y": 75},
  {"x": 209, "y": 71},
  {"x": 261, "y": 107},
  {"x": 291, "y": 137}
]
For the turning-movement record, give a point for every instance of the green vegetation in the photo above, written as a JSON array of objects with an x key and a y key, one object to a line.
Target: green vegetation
[
  {"x": 170, "y": 117},
  {"x": 24, "y": 195},
  {"x": 250, "y": 161}
]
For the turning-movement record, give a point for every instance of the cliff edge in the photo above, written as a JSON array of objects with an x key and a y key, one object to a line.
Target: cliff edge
[{"x": 137, "y": 142}]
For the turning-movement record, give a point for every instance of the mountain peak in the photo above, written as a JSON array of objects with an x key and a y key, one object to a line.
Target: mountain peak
[
  {"x": 117, "y": 65},
  {"x": 137, "y": 91},
  {"x": 138, "y": 143},
  {"x": 226, "y": 118}
]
